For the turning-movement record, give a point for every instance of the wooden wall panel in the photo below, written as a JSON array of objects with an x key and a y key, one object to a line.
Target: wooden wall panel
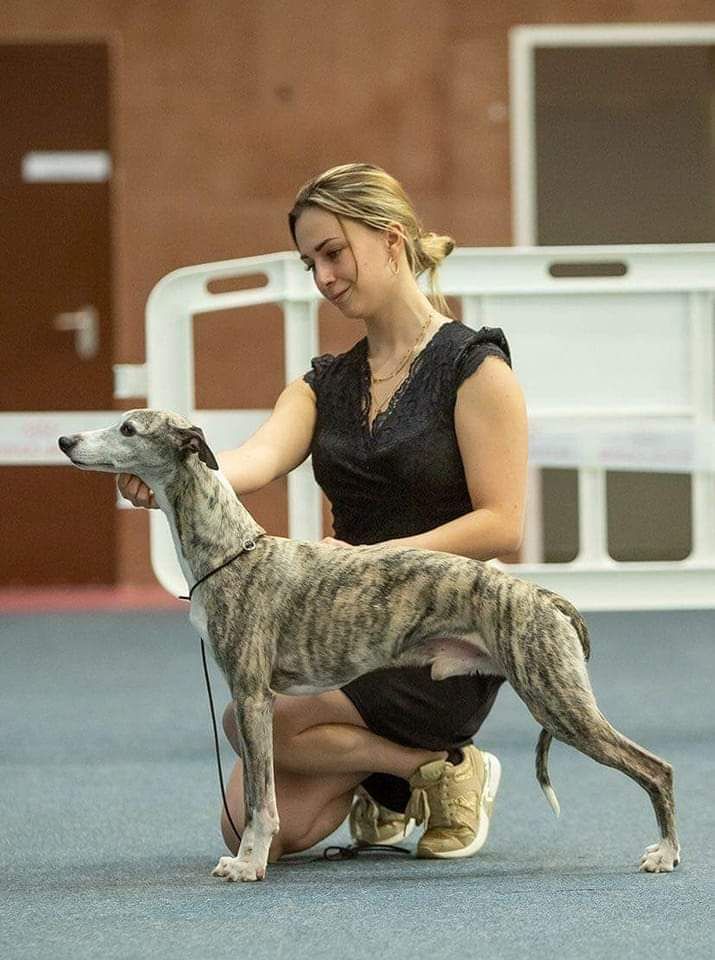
[{"x": 223, "y": 108}]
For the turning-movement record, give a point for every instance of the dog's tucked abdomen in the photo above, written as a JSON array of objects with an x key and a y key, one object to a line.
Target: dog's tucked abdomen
[{"x": 456, "y": 656}]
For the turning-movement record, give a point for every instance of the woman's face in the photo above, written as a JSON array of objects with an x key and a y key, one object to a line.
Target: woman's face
[{"x": 357, "y": 284}]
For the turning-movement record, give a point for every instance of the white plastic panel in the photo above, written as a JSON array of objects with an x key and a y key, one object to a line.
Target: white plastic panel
[
  {"x": 617, "y": 370},
  {"x": 607, "y": 352}
]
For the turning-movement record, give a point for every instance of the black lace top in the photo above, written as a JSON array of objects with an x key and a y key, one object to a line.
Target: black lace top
[{"x": 404, "y": 475}]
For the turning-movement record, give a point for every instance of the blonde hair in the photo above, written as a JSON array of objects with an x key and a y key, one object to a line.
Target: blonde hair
[{"x": 367, "y": 193}]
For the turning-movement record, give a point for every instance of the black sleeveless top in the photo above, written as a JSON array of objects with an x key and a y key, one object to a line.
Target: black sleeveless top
[
  {"x": 401, "y": 478},
  {"x": 405, "y": 475}
]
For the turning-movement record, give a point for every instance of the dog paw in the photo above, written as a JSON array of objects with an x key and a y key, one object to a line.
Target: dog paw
[
  {"x": 660, "y": 858},
  {"x": 234, "y": 869}
]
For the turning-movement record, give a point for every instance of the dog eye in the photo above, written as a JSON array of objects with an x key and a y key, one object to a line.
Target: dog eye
[{"x": 127, "y": 429}]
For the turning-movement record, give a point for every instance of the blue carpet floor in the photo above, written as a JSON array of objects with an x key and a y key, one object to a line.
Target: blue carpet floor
[{"x": 109, "y": 811}]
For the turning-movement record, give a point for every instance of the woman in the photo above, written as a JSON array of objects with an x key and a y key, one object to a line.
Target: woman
[{"x": 418, "y": 436}]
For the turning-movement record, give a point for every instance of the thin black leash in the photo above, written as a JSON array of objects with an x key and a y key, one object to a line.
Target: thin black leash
[
  {"x": 330, "y": 853},
  {"x": 218, "y": 755},
  {"x": 246, "y": 548}
]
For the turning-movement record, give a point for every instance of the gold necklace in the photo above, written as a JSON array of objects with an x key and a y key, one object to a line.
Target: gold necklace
[
  {"x": 378, "y": 408},
  {"x": 425, "y": 324},
  {"x": 385, "y": 403}
]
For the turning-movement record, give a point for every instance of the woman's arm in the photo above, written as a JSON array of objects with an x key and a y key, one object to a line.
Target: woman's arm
[
  {"x": 278, "y": 446},
  {"x": 492, "y": 432}
]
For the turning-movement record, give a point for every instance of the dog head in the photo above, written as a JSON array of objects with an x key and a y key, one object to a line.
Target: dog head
[{"x": 150, "y": 444}]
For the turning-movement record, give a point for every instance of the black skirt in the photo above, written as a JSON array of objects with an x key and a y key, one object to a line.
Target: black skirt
[{"x": 407, "y": 706}]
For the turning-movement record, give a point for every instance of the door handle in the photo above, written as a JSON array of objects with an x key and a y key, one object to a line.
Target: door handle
[{"x": 85, "y": 323}]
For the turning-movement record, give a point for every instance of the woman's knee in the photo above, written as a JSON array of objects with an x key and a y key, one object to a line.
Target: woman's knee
[
  {"x": 284, "y": 726},
  {"x": 229, "y": 725},
  {"x": 293, "y": 715},
  {"x": 288, "y": 720}
]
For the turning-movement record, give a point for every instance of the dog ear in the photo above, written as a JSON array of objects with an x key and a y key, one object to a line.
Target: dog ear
[{"x": 192, "y": 440}]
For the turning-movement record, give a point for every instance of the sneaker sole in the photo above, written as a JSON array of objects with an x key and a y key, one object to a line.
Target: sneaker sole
[{"x": 489, "y": 793}]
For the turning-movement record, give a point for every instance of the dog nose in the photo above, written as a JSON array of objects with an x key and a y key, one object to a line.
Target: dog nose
[{"x": 66, "y": 443}]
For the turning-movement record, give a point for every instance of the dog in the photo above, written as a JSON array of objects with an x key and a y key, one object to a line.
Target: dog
[{"x": 295, "y": 617}]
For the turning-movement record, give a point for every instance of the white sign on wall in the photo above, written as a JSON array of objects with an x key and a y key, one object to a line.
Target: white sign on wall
[{"x": 78, "y": 166}]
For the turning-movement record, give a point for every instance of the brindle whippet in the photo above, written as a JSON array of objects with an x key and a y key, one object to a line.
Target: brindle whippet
[{"x": 297, "y": 617}]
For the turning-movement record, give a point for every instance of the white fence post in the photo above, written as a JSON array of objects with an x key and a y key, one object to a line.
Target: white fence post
[
  {"x": 305, "y": 520},
  {"x": 703, "y": 385}
]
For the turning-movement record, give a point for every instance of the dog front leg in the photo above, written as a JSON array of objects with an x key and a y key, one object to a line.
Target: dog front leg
[{"x": 254, "y": 715}]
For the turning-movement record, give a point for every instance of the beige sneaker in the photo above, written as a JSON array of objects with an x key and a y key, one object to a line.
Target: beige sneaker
[
  {"x": 370, "y": 822},
  {"x": 455, "y": 803}
]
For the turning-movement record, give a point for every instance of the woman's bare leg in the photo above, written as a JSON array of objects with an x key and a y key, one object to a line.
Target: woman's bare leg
[
  {"x": 310, "y": 809},
  {"x": 322, "y": 750}
]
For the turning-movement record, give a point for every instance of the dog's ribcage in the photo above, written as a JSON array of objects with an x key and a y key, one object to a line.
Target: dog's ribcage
[{"x": 325, "y": 615}]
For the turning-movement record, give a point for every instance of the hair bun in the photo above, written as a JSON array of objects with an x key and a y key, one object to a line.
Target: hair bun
[{"x": 435, "y": 246}]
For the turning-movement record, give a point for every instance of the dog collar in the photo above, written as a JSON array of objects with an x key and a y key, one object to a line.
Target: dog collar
[{"x": 248, "y": 545}]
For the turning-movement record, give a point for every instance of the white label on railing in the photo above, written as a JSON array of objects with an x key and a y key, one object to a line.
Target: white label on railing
[
  {"x": 79, "y": 166},
  {"x": 32, "y": 438},
  {"x": 622, "y": 446}
]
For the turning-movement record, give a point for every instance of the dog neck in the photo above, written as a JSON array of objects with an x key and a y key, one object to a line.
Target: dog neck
[{"x": 208, "y": 522}]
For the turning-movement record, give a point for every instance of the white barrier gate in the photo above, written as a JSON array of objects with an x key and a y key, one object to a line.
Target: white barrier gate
[{"x": 613, "y": 346}]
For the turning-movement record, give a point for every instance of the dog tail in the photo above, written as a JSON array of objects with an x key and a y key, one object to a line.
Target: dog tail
[
  {"x": 577, "y": 621},
  {"x": 542, "y": 772}
]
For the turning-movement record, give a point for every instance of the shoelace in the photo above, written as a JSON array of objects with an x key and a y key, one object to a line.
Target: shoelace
[
  {"x": 366, "y": 811},
  {"x": 418, "y": 808}
]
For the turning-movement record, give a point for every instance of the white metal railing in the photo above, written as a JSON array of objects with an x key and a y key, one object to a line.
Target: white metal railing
[{"x": 617, "y": 371}]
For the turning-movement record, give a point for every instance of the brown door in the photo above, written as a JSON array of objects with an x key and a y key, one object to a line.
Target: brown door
[{"x": 57, "y": 525}]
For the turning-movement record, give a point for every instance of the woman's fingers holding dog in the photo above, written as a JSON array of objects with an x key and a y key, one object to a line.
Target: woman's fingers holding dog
[
  {"x": 136, "y": 491},
  {"x": 129, "y": 487}
]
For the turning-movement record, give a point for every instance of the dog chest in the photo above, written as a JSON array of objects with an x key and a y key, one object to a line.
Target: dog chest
[{"x": 198, "y": 618}]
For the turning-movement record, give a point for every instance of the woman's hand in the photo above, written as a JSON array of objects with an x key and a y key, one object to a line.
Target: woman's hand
[
  {"x": 136, "y": 491},
  {"x": 403, "y": 542},
  {"x": 406, "y": 542},
  {"x": 334, "y": 542}
]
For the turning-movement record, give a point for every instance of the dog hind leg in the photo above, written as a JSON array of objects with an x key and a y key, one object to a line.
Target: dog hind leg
[
  {"x": 607, "y": 745},
  {"x": 563, "y": 703}
]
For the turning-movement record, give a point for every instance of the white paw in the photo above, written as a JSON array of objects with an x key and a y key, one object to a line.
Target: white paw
[
  {"x": 660, "y": 858},
  {"x": 233, "y": 868}
]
